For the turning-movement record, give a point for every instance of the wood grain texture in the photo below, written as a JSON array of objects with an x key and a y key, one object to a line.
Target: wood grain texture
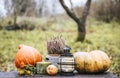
[{"x": 14, "y": 74}]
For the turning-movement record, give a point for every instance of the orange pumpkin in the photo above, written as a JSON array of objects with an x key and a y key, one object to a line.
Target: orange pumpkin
[{"x": 27, "y": 55}]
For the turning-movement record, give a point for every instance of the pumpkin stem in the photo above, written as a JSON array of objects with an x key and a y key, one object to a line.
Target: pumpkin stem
[{"x": 20, "y": 46}]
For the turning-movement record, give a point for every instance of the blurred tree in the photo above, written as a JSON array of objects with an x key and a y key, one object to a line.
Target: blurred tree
[
  {"x": 17, "y": 7},
  {"x": 81, "y": 21},
  {"x": 40, "y": 7},
  {"x": 8, "y": 7},
  {"x": 108, "y": 10},
  {"x": 46, "y": 8},
  {"x": 23, "y": 7},
  {"x": 54, "y": 5}
]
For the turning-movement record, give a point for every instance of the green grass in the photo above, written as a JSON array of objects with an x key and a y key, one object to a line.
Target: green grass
[{"x": 100, "y": 35}]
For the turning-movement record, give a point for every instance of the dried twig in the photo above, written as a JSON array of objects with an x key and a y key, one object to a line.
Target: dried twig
[{"x": 55, "y": 45}]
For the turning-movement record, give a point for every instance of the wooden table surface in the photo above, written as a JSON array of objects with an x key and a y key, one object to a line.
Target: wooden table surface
[{"x": 14, "y": 74}]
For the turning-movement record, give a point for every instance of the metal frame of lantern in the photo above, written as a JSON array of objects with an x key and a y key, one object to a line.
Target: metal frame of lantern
[{"x": 66, "y": 63}]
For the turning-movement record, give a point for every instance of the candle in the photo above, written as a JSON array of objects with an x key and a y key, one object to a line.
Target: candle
[{"x": 41, "y": 67}]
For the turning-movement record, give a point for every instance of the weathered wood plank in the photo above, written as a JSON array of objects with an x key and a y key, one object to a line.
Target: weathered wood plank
[{"x": 14, "y": 74}]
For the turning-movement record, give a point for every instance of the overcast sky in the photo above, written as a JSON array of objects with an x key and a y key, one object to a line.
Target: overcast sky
[
  {"x": 2, "y": 9},
  {"x": 59, "y": 9},
  {"x": 76, "y": 2}
]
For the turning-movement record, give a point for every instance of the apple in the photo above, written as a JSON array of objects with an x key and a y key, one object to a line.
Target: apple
[{"x": 52, "y": 70}]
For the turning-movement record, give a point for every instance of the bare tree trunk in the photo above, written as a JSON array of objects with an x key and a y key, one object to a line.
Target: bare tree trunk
[
  {"x": 81, "y": 32},
  {"x": 15, "y": 18},
  {"x": 80, "y": 21}
]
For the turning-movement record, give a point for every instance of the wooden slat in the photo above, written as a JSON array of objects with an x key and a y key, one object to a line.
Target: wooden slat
[{"x": 14, "y": 74}]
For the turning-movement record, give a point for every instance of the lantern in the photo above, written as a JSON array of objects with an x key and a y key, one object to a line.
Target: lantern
[{"x": 66, "y": 63}]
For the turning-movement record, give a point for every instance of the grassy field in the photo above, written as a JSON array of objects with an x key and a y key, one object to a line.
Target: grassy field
[{"x": 100, "y": 35}]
